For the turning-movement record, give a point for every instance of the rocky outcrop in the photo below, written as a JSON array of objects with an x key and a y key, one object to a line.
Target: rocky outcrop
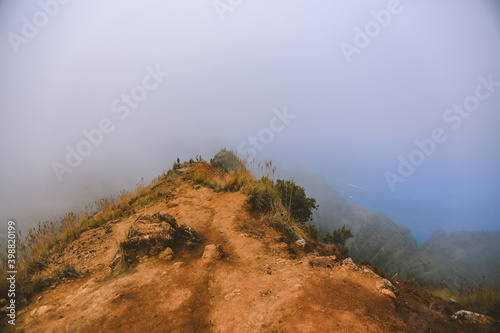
[{"x": 152, "y": 234}]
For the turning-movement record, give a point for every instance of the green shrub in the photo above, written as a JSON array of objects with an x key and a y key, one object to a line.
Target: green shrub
[
  {"x": 313, "y": 232},
  {"x": 339, "y": 238},
  {"x": 295, "y": 200}
]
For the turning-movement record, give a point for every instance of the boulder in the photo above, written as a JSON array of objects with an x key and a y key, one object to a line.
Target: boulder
[{"x": 468, "y": 317}]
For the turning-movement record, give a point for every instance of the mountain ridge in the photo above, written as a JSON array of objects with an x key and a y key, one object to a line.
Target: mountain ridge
[{"x": 232, "y": 273}]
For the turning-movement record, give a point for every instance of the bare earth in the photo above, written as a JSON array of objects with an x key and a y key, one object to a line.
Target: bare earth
[{"x": 258, "y": 285}]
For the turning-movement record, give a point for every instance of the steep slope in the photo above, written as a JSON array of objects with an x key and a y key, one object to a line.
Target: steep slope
[
  {"x": 250, "y": 281},
  {"x": 458, "y": 257}
]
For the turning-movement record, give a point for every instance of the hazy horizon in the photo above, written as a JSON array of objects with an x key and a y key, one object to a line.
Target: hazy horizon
[{"x": 395, "y": 103}]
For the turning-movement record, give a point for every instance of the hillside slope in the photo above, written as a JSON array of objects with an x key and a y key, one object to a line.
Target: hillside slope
[
  {"x": 454, "y": 258},
  {"x": 237, "y": 276}
]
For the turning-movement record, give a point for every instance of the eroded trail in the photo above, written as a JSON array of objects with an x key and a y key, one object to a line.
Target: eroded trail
[{"x": 256, "y": 286}]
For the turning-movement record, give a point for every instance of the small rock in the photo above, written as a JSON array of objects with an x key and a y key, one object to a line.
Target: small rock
[
  {"x": 472, "y": 318},
  {"x": 388, "y": 293},
  {"x": 386, "y": 287},
  {"x": 348, "y": 261},
  {"x": 301, "y": 243},
  {"x": 213, "y": 252},
  {"x": 167, "y": 254}
]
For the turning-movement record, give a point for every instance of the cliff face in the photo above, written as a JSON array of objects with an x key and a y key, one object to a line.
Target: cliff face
[{"x": 196, "y": 260}]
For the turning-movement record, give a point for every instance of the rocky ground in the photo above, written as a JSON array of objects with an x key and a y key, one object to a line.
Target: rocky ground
[{"x": 232, "y": 273}]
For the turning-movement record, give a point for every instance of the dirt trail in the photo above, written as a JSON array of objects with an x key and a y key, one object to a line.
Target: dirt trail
[{"x": 256, "y": 287}]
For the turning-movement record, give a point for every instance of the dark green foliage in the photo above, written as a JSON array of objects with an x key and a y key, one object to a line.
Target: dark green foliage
[
  {"x": 295, "y": 200},
  {"x": 313, "y": 232},
  {"x": 339, "y": 238},
  {"x": 267, "y": 195}
]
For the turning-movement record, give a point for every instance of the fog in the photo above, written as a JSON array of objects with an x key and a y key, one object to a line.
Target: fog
[{"x": 395, "y": 103}]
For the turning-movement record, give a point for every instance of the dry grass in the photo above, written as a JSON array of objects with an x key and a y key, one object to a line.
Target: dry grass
[
  {"x": 205, "y": 174},
  {"x": 480, "y": 298},
  {"x": 51, "y": 237},
  {"x": 263, "y": 195}
]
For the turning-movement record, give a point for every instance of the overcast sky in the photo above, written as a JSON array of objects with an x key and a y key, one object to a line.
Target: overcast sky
[{"x": 342, "y": 89}]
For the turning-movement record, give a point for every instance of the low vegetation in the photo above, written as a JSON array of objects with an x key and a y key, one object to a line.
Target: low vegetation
[
  {"x": 338, "y": 238},
  {"x": 480, "y": 298},
  {"x": 34, "y": 250},
  {"x": 282, "y": 204}
]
